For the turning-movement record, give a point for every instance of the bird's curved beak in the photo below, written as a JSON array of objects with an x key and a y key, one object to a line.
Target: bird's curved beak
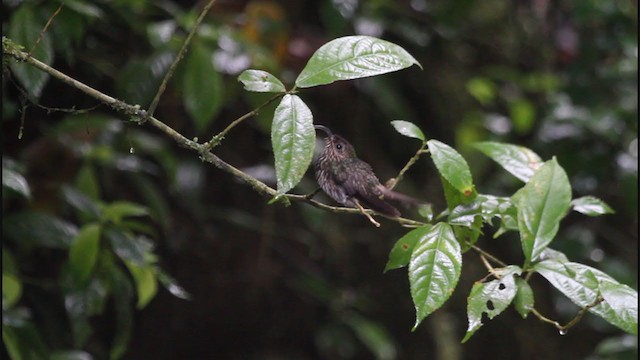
[{"x": 323, "y": 128}]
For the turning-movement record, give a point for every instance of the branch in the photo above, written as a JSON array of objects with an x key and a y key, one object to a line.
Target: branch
[
  {"x": 217, "y": 138},
  {"x": 564, "y": 328},
  {"x": 174, "y": 64},
  {"x": 46, "y": 27},
  {"x": 394, "y": 181},
  {"x": 140, "y": 117}
]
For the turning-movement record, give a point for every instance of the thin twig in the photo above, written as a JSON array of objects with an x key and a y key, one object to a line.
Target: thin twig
[
  {"x": 33, "y": 101},
  {"x": 45, "y": 28},
  {"x": 365, "y": 213},
  {"x": 490, "y": 268},
  {"x": 488, "y": 256},
  {"x": 217, "y": 138},
  {"x": 174, "y": 64},
  {"x": 393, "y": 182},
  {"x": 564, "y": 328}
]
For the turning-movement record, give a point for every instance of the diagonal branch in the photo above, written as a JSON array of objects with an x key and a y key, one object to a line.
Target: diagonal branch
[
  {"x": 174, "y": 64},
  {"x": 140, "y": 117}
]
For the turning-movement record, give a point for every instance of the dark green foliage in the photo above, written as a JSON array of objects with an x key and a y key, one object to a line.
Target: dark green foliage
[{"x": 98, "y": 212}]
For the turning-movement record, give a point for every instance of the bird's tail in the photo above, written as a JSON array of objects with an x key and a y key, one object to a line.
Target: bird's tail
[{"x": 399, "y": 197}]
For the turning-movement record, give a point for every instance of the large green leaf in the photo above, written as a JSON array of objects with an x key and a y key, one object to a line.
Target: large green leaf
[
  {"x": 202, "y": 86},
  {"x": 541, "y": 204},
  {"x": 518, "y": 160},
  {"x": 84, "y": 251},
  {"x": 400, "y": 254},
  {"x": 353, "y": 57},
  {"x": 25, "y": 29},
  {"x": 451, "y": 166},
  {"x": 39, "y": 229},
  {"x": 434, "y": 270},
  {"x": 624, "y": 302},
  {"x": 491, "y": 298},
  {"x": 591, "y": 206},
  {"x": 260, "y": 81},
  {"x": 582, "y": 284},
  {"x": 293, "y": 139}
]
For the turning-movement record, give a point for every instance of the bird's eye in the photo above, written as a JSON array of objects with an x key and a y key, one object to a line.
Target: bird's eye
[{"x": 339, "y": 146}]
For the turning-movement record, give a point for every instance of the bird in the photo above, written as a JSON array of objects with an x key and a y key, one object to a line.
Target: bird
[{"x": 350, "y": 181}]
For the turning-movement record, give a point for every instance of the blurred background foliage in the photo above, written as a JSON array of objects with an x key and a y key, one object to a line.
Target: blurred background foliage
[{"x": 98, "y": 212}]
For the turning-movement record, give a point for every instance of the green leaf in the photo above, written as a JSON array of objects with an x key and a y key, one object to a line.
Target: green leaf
[
  {"x": 81, "y": 202},
  {"x": 434, "y": 270},
  {"x": 408, "y": 129},
  {"x": 550, "y": 254},
  {"x": 484, "y": 90},
  {"x": 139, "y": 80},
  {"x": 122, "y": 296},
  {"x": 455, "y": 197},
  {"x": 84, "y": 251},
  {"x": 400, "y": 254},
  {"x": 353, "y": 57},
  {"x": 202, "y": 87},
  {"x": 541, "y": 204},
  {"x": 591, "y": 206},
  {"x": 87, "y": 181},
  {"x": 624, "y": 302},
  {"x": 11, "y": 290},
  {"x": 172, "y": 286},
  {"x": 517, "y": 160},
  {"x": 523, "y": 115},
  {"x": 375, "y": 337},
  {"x": 582, "y": 284},
  {"x": 118, "y": 210},
  {"x": 70, "y": 355},
  {"x": 23, "y": 341},
  {"x": 491, "y": 298},
  {"x": 524, "y": 300},
  {"x": 25, "y": 29},
  {"x": 146, "y": 283},
  {"x": 260, "y": 81},
  {"x": 16, "y": 182},
  {"x": 451, "y": 166},
  {"x": 127, "y": 247},
  {"x": 39, "y": 229},
  {"x": 293, "y": 139}
]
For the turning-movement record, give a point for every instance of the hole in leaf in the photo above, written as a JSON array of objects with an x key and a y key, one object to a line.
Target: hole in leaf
[
  {"x": 501, "y": 286},
  {"x": 485, "y": 318},
  {"x": 490, "y": 305}
]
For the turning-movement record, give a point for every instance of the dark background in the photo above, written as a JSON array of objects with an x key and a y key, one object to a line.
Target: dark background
[{"x": 276, "y": 282}]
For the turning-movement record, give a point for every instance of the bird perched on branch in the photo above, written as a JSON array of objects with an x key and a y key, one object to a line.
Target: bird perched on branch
[{"x": 351, "y": 181}]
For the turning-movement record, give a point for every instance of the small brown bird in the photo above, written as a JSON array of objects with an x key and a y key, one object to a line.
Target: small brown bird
[{"x": 347, "y": 179}]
